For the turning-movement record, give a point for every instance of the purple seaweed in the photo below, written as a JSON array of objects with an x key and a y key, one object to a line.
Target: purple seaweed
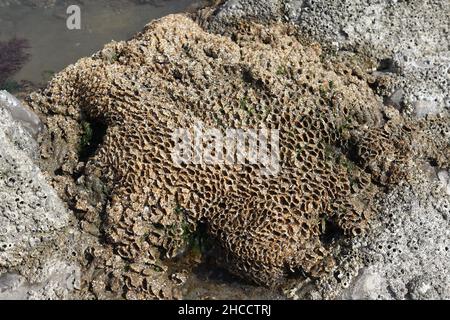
[{"x": 13, "y": 56}]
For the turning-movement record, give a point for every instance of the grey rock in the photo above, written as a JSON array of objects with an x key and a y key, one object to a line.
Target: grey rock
[
  {"x": 408, "y": 38},
  {"x": 369, "y": 285},
  {"x": 238, "y": 9},
  {"x": 29, "y": 120},
  {"x": 10, "y": 282},
  {"x": 29, "y": 207},
  {"x": 407, "y": 255},
  {"x": 17, "y": 134},
  {"x": 235, "y": 10},
  {"x": 411, "y": 35},
  {"x": 59, "y": 280},
  {"x": 37, "y": 241}
]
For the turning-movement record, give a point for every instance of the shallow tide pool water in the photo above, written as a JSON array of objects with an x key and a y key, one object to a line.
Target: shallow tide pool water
[{"x": 53, "y": 46}]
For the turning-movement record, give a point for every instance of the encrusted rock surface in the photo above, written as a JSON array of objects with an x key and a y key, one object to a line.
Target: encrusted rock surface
[
  {"x": 19, "y": 112},
  {"x": 36, "y": 242},
  {"x": 409, "y": 39},
  {"x": 408, "y": 254}
]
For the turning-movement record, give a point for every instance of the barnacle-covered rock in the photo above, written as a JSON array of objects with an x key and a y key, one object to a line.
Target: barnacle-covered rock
[
  {"x": 26, "y": 117},
  {"x": 335, "y": 140}
]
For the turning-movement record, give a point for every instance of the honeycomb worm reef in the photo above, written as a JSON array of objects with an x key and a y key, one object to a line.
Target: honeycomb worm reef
[{"x": 339, "y": 145}]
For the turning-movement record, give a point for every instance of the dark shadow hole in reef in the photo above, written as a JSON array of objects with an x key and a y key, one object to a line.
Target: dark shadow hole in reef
[
  {"x": 331, "y": 234},
  {"x": 200, "y": 242},
  {"x": 386, "y": 65},
  {"x": 211, "y": 272},
  {"x": 248, "y": 77},
  {"x": 204, "y": 256},
  {"x": 93, "y": 133},
  {"x": 433, "y": 162}
]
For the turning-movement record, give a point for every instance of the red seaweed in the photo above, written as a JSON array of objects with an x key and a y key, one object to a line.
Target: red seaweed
[{"x": 13, "y": 55}]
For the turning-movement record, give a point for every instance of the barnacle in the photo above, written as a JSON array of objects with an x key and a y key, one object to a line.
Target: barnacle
[{"x": 174, "y": 74}]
